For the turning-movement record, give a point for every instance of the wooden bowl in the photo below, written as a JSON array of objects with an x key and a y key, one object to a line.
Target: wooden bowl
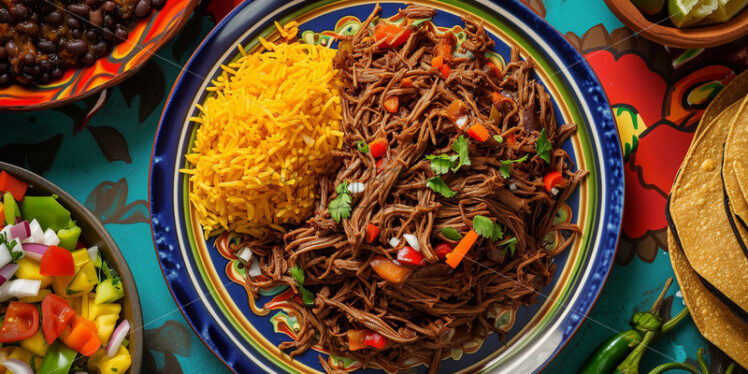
[
  {"x": 693, "y": 37},
  {"x": 94, "y": 233}
]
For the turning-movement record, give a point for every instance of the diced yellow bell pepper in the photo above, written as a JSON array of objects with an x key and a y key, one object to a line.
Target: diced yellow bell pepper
[
  {"x": 105, "y": 325},
  {"x": 60, "y": 284},
  {"x": 29, "y": 269},
  {"x": 85, "y": 280},
  {"x": 104, "y": 309},
  {"x": 100, "y": 363},
  {"x": 20, "y": 354},
  {"x": 35, "y": 299},
  {"x": 36, "y": 344},
  {"x": 80, "y": 258}
]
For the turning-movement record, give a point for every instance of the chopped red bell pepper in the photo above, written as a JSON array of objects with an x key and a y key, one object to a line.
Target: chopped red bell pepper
[
  {"x": 374, "y": 339},
  {"x": 553, "y": 179},
  {"x": 56, "y": 315},
  {"x": 21, "y": 322},
  {"x": 442, "y": 249},
  {"x": 356, "y": 339},
  {"x": 406, "y": 83},
  {"x": 393, "y": 35},
  {"x": 437, "y": 62},
  {"x": 408, "y": 255},
  {"x": 494, "y": 70},
  {"x": 478, "y": 132},
  {"x": 380, "y": 165},
  {"x": 82, "y": 337},
  {"x": 57, "y": 261},
  {"x": 9, "y": 183},
  {"x": 445, "y": 69},
  {"x": 372, "y": 231},
  {"x": 511, "y": 139},
  {"x": 378, "y": 147}
]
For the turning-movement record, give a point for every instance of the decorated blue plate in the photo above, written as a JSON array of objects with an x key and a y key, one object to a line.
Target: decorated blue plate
[{"x": 207, "y": 283}]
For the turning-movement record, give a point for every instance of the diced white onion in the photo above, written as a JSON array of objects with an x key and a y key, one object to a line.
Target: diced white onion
[
  {"x": 6, "y": 231},
  {"x": 461, "y": 122},
  {"x": 5, "y": 257},
  {"x": 20, "y": 288},
  {"x": 356, "y": 187},
  {"x": 394, "y": 242},
  {"x": 512, "y": 187},
  {"x": 37, "y": 234},
  {"x": 412, "y": 241},
  {"x": 554, "y": 191},
  {"x": 254, "y": 269},
  {"x": 16, "y": 366},
  {"x": 50, "y": 237},
  {"x": 93, "y": 254},
  {"x": 245, "y": 254},
  {"x": 397, "y": 262}
]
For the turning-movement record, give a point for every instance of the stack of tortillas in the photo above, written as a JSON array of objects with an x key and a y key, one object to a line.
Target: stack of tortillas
[{"x": 708, "y": 219}]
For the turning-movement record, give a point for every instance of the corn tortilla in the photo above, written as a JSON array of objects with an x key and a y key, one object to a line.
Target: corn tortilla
[
  {"x": 713, "y": 319},
  {"x": 696, "y": 212},
  {"x": 733, "y": 165},
  {"x": 731, "y": 93}
]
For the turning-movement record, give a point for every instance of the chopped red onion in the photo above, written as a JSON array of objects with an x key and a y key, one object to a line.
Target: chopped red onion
[
  {"x": 36, "y": 233},
  {"x": 17, "y": 366},
  {"x": 20, "y": 230},
  {"x": 118, "y": 336},
  {"x": 7, "y": 271},
  {"x": 35, "y": 251}
]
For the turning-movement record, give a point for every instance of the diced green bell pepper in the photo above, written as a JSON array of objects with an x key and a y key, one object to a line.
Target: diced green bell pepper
[
  {"x": 69, "y": 237},
  {"x": 109, "y": 291},
  {"x": 58, "y": 359},
  {"x": 11, "y": 208},
  {"x": 47, "y": 211}
]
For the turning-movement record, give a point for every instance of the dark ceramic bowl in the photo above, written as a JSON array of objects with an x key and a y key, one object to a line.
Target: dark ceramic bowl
[{"x": 94, "y": 233}]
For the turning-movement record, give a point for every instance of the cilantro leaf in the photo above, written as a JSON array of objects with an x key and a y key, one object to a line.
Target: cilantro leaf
[
  {"x": 506, "y": 166},
  {"x": 362, "y": 146},
  {"x": 451, "y": 233},
  {"x": 543, "y": 147},
  {"x": 340, "y": 207},
  {"x": 487, "y": 228},
  {"x": 498, "y": 138},
  {"x": 440, "y": 164},
  {"x": 342, "y": 188},
  {"x": 297, "y": 273},
  {"x": 438, "y": 185},
  {"x": 461, "y": 147},
  {"x": 511, "y": 243}
]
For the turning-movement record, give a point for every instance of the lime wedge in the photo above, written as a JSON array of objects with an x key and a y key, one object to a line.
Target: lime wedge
[
  {"x": 726, "y": 9},
  {"x": 649, "y": 7},
  {"x": 685, "y": 13}
]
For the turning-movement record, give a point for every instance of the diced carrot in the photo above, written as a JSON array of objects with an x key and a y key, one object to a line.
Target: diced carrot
[
  {"x": 478, "y": 132},
  {"x": 455, "y": 257},
  {"x": 378, "y": 147},
  {"x": 372, "y": 231},
  {"x": 553, "y": 179},
  {"x": 389, "y": 270},
  {"x": 456, "y": 109},
  {"x": 391, "y": 104},
  {"x": 445, "y": 69},
  {"x": 406, "y": 83},
  {"x": 9, "y": 183},
  {"x": 437, "y": 62}
]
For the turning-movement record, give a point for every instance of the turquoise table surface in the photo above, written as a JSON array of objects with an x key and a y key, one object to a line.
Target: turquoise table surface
[{"x": 105, "y": 165}]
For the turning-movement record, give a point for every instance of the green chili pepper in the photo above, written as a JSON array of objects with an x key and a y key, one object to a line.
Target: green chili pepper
[
  {"x": 47, "y": 211},
  {"x": 611, "y": 352},
  {"x": 58, "y": 359},
  {"x": 69, "y": 237},
  {"x": 11, "y": 208},
  {"x": 702, "y": 369}
]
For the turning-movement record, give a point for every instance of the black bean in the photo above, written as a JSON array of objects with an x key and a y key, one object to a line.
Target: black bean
[
  {"x": 142, "y": 8},
  {"x": 32, "y": 69},
  {"x": 12, "y": 48},
  {"x": 158, "y": 4},
  {"x": 53, "y": 18},
  {"x": 79, "y": 9},
  {"x": 46, "y": 46},
  {"x": 108, "y": 21},
  {"x": 54, "y": 59},
  {"x": 99, "y": 49},
  {"x": 27, "y": 27},
  {"x": 25, "y": 78},
  {"x": 108, "y": 6},
  {"x": 73, "y": 23},
  {"x": 3, "y": 55},
  {"x": 29, "y": 59},
  {"x": 92, "y": 36},
  {"x": 4, "y": 66},
  {"x": 5, "y": 16},
  {"x": 96, "y": 17},
  {"x": 121, "y": 33},
  {"x": 45, "y": 65},
  {"x": 88, "y": 59},
  {"x": 92, "y": 3},
  {"x": 107, "y": 34},
  {"x": 76, "y": 46},
  {"x": 19, "y": 12},
  {"x": 56, "y": 73},
  {"x": 77, "y": 33},
  {"x": 44, "y": 78}
]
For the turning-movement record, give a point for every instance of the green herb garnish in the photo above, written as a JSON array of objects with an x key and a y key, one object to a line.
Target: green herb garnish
[
  {"x": 438, "y": 185},
  {"x": 487, "y": 228},
  {"x": 506, "y": 166},
  {"x": 297, "y": 273},
  {"x": 511, "y": 243},
  {"x": 440, "y": 164},
  {"x": 461, "y": 147},
  {"x": 543, "y": 147},
  {"x": 451, "y": 233},
  {"x": 340, "y": 206},
  {"x": 362, "y": 147},
  {"x": 498, "y": 138}
]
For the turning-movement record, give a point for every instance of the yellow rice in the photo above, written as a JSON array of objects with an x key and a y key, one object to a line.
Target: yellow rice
[{"x": 265, "y": 134}]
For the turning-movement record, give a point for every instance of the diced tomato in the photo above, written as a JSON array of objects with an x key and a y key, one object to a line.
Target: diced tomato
[
  {"x": 494, "y": 70},
  {"x": 442, "y": 249},
  {"x": 83, "y": 337},
  {"x": 456, "y": 109},
  {"x": 374, "y": 339},
  {"x": 437, "y": 62},
  {"x": 406, "y": 83},
  {"x": 389, "y": 270},
  {"x": 511, "y": 139},
  {"x": 9, "y": 183},
  {"x": 57, "y": 261},
  {"x": 380, "y": 165},
  {"x": 21, "y": 322},
  {"x": 372, "y": 231},
  {"x": 378, "y": 147},
  {"x": 356, "y": 339},
  {"x": 393, "y": 35},
  {"x": 391, "y": 104},
  {"x": 445, "y": 69},
  {"x": 56, "y": 315},
  {"x": 408, "y": 255},
  {"x": 478, "y": 132},
  {"x": 553, "y": 179}
]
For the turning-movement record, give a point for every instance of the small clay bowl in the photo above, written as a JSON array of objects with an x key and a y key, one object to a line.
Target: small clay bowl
[
  {"x": 667, "y": 34},
  {"x": 94, "y": 233}
]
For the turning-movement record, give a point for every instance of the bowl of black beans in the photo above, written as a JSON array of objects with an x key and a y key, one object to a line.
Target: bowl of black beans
[{"x": 56, "y": 51}]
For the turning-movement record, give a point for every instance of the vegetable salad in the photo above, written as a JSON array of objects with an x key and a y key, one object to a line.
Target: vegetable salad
[{"x": 59, "y": 300}]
